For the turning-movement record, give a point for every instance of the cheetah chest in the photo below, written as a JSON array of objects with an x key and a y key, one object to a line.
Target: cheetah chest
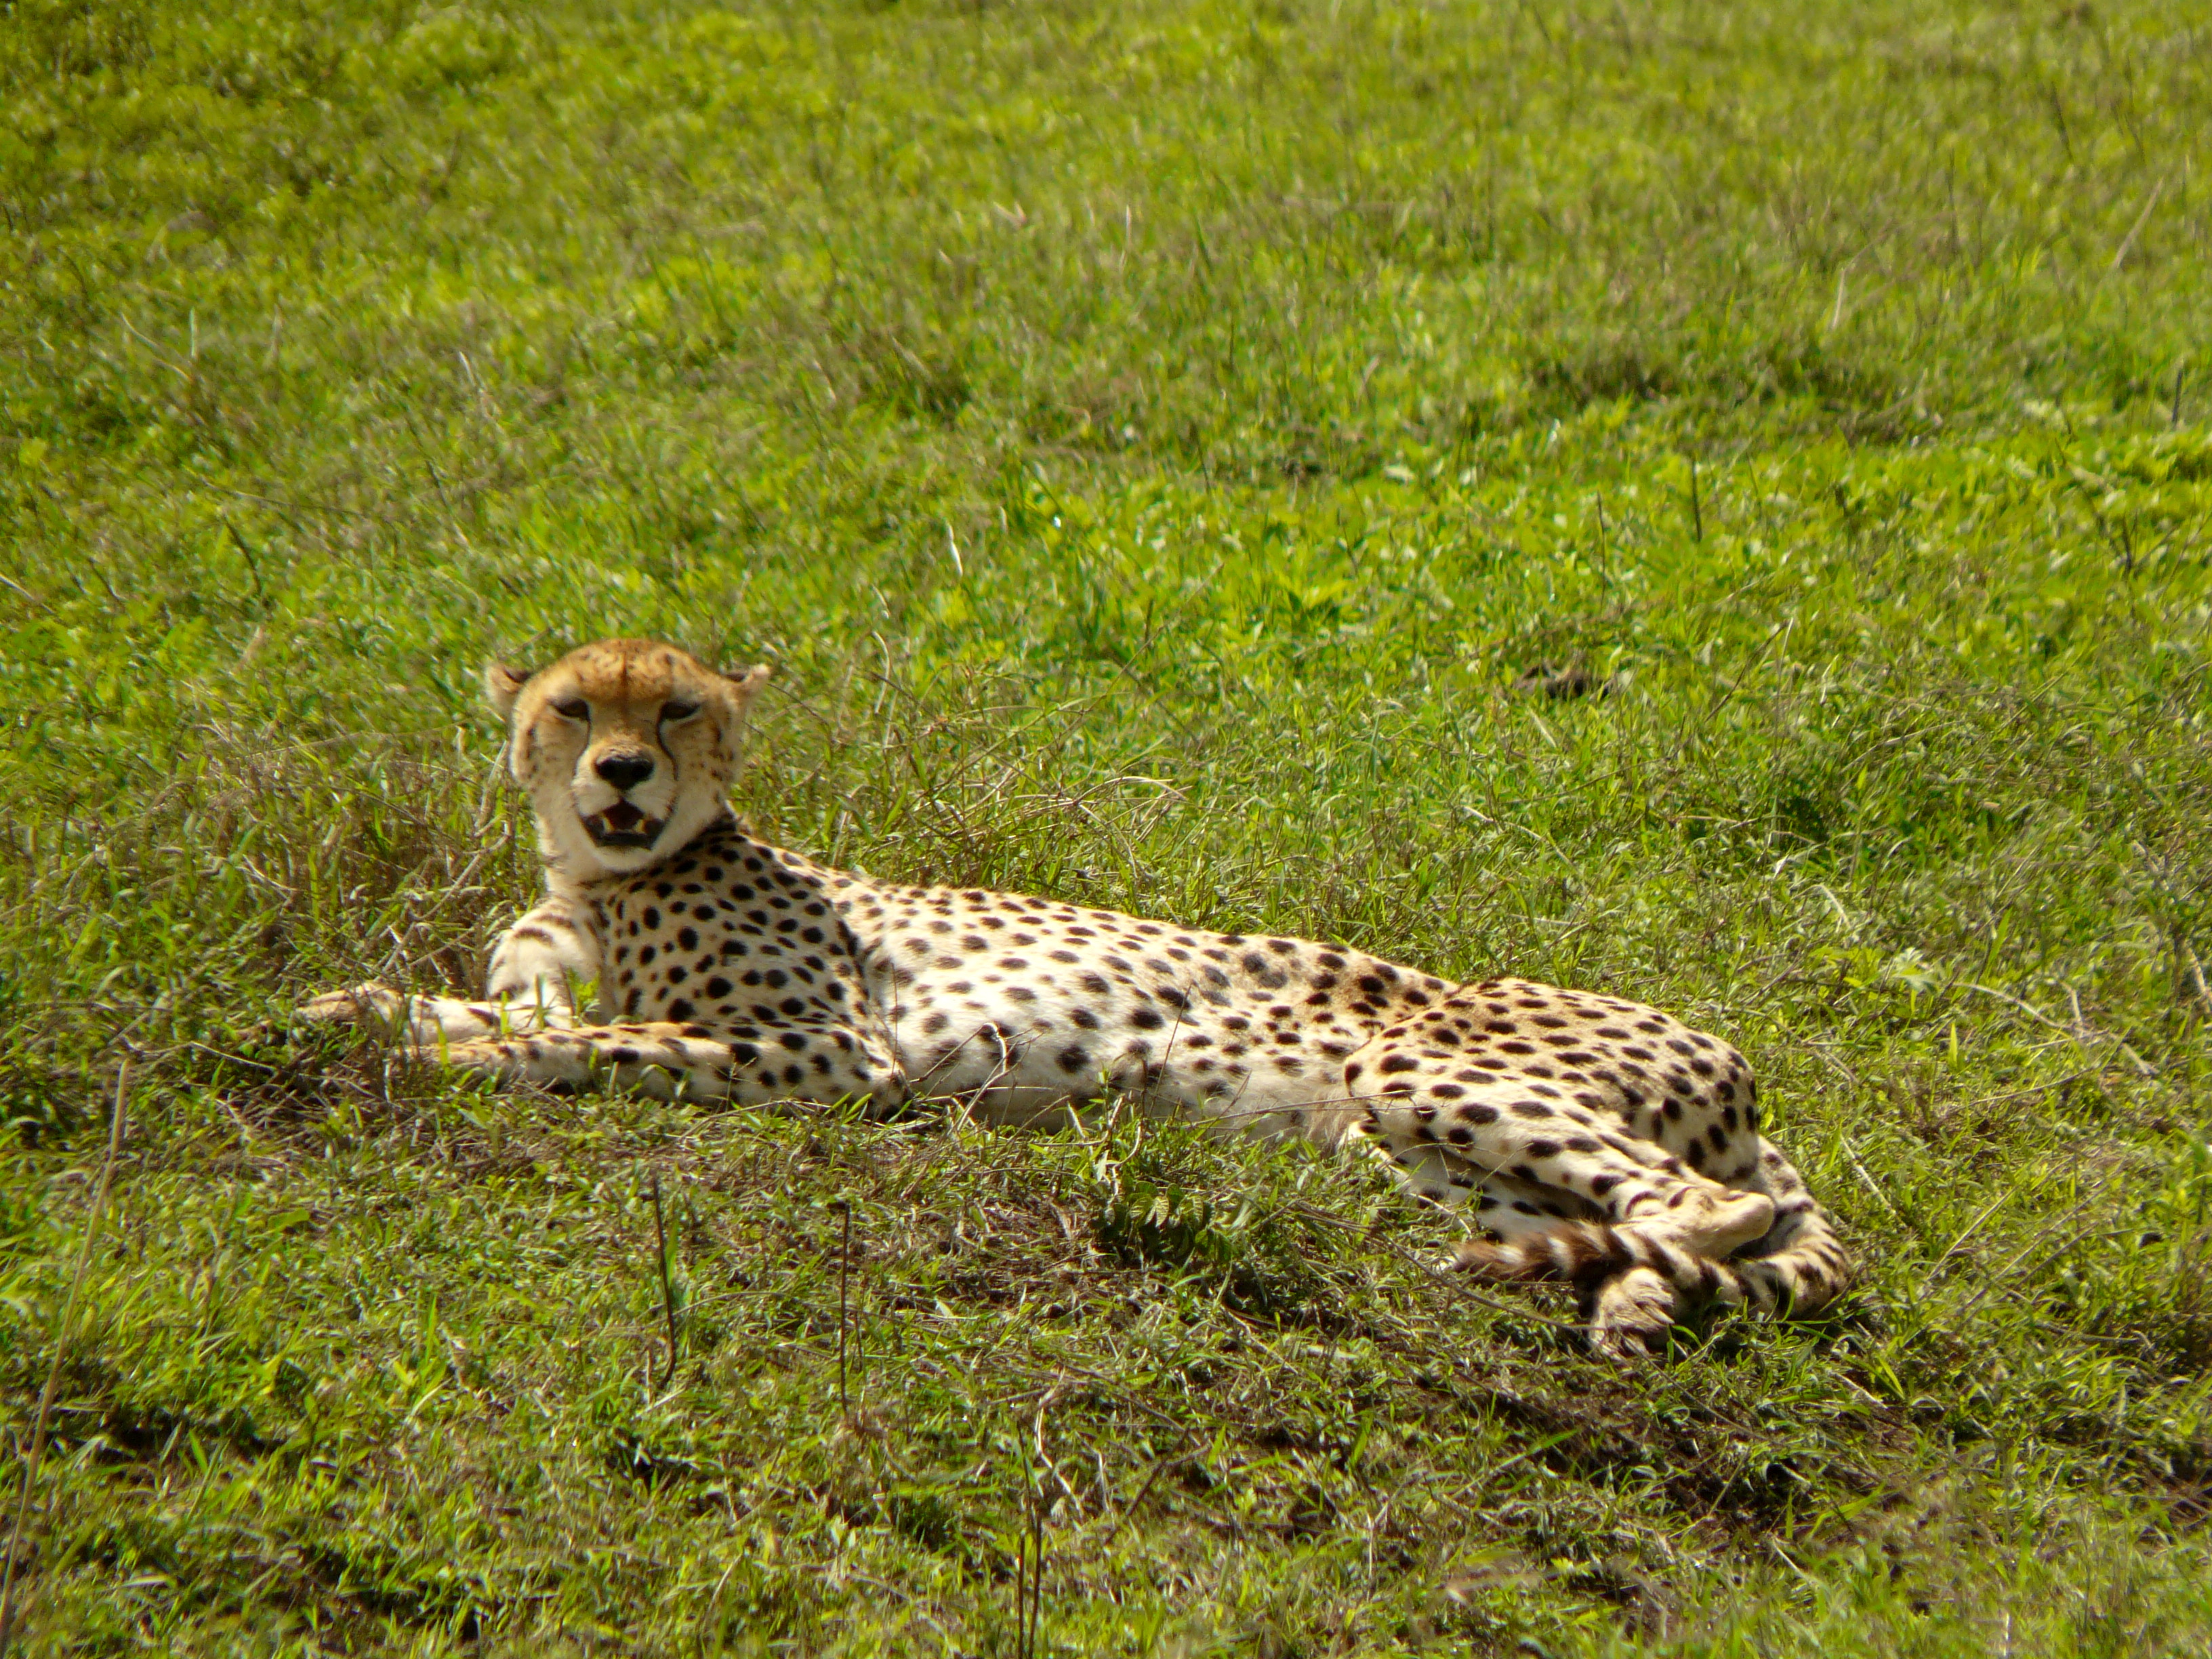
[{"x": 729, "y": 938}]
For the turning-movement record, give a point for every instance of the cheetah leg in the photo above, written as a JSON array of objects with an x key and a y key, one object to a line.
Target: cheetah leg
[
  {"x": 745, "y": 1064},
  {"x": 1798, "y": 1265},
  {"x": 427, "y": 1025},
  {"x": 1630, "y": 1312},
  {"x": 1627, "y": 1313},
  {"x": 1500, "y": 1127},
  {"x": 531, "y": 986},
  {"x": 1660, "y": 1223},
  {"x": 1799, "y": 1262},
  {"x": 539, "y": 962}
]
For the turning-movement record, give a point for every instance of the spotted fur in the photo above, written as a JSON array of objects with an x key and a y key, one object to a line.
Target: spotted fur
[{"x": 1601, "y": 1142}]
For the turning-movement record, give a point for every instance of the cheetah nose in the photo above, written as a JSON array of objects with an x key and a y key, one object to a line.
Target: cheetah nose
[{"x": 624, "y": 771}]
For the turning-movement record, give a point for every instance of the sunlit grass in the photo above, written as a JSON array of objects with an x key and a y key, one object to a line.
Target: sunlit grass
[{"x": 1150, "y": 443}]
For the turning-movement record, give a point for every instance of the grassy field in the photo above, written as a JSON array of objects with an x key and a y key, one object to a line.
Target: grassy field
[{"x": 1151, "y": 441}]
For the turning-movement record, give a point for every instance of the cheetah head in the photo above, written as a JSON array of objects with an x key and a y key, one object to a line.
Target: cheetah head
[{"x": 627, "y": 748}]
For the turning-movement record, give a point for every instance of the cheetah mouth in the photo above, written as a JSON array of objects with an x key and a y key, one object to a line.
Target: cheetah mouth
[{"x": 623, "y": 825}]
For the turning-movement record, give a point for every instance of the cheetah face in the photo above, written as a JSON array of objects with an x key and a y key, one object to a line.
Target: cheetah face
[{"x": 627, "y": 748}]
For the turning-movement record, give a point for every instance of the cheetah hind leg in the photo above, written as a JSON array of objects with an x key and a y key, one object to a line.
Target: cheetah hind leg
[
  {"x": 1632, "y": 1311},
  {"x": 1636, "y": 1279},
  {"x": 1630, "y": 1314},
  {"x": 1626, "y": 1314}
]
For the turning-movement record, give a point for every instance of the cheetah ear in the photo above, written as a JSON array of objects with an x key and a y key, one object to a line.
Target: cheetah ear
[
  {"x": 503, "y": 685},
  {"x": 747, "y": 685}
]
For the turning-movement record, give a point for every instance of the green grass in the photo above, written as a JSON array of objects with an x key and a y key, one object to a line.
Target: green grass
[{"x": 1150, "y": 441}]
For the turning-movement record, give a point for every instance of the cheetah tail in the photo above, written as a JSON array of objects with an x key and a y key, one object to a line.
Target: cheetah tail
[{"x": 1804, "y": 1266}]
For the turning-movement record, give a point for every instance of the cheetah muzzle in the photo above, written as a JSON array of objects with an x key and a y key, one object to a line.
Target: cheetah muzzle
[
  {"x": 1592, "y": 1140},
  {"x": 623, "y": 825}
]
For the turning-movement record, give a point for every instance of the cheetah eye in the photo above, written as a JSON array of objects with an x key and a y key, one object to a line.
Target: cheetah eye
[
  {"x": 678, "y": 711},
  {"x": 573, "y": 708}
]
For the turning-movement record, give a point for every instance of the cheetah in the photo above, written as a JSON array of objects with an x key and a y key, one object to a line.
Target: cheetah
[{"x": 1595, "y": 1141}]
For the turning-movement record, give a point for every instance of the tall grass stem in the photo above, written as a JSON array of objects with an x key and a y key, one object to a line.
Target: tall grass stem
[{"x": 63, "y": 1332}]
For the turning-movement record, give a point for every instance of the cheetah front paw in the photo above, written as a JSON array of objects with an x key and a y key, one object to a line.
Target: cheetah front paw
[{"x": 361, "y": 1005}]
